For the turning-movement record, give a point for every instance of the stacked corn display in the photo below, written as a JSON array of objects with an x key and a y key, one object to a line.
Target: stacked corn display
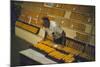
[{"x": 52, "y": 52}]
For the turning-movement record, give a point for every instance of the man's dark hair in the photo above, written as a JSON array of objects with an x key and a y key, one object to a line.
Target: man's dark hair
[{"x": 46, "y": 22}]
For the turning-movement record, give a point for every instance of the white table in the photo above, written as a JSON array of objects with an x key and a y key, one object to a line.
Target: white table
[{"x": 37, "y": 56}]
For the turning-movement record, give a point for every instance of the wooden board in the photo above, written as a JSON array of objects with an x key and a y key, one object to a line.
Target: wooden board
[
  {"x": 78, "y": 26},
  {"x": 78, "y": 16},
  {"x": 82, "y": 37},
  {"x": 53, "y": 11},
  {"x": 69, "y": 7}
]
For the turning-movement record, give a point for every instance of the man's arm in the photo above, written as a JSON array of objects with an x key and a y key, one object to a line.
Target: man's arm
[{"x": 45, "y": 36}]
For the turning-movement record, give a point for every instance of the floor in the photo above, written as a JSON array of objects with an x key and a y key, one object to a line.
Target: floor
[{"x": 17, "y": 45}]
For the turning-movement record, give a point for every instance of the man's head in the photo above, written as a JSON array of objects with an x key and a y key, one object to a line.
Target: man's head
[{"x": 46, "y": 22}]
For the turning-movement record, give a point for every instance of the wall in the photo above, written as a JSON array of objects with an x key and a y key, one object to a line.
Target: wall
[{"x": 76, "y": 20}]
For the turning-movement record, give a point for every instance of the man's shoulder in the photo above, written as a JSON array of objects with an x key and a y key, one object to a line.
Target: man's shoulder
[{"x": 53, "y": 23}]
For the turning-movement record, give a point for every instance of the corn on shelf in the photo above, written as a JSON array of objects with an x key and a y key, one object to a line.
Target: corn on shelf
[{"x": 28, "y": 27}]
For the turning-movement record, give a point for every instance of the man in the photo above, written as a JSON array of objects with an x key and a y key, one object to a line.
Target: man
[{"x": 54, "y": 30}]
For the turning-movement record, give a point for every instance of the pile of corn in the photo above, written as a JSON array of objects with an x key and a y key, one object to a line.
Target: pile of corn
[{"x": 52, "y": 52}]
